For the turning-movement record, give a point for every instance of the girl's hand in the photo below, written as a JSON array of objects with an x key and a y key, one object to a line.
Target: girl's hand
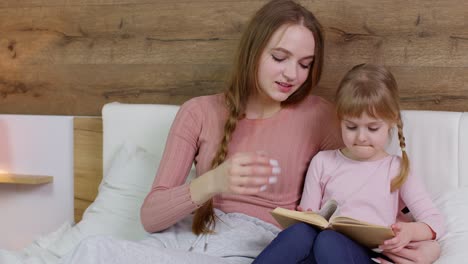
[
  {"x": 299, "y": 208},
  {"x": 403, "y": 235},
  {"x": 421, "y": 252},
  {"x": 246, "y": 174}
]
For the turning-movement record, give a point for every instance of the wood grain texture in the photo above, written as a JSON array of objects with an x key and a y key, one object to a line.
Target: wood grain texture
[
  {"x": 71, "y": 57},
  {"x": 87, "y": 162},
  {"x": 11, "y": 178},
  {"x": 86, "y": 88},
  {"x": 448, "y": 90}
]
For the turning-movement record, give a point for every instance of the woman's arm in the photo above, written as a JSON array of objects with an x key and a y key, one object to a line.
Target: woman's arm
[
  {"x": 243, "y": 173},
  {"x": 171, "y": 199},
  {"x": 422, "y": 252}
]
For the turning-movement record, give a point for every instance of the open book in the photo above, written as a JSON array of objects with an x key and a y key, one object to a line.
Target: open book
[{"x": 367, "y": 234}]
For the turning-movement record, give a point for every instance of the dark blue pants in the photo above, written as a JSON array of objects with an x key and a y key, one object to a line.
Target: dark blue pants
[{"x": 302, "y": 243}]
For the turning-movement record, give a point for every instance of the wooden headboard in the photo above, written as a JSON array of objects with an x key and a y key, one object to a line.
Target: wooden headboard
[{"x": 87, "y": 154}]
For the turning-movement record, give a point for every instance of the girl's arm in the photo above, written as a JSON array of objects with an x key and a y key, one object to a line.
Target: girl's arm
[
  {"x": 430, "y": 222},
  {"x": 415, "y": 196},
  {"x": 406, "y": 232},
  {"x": 312, "y": 194},
  {"x": 422, "y": 252},
  {"x": 418, "y": 231}
]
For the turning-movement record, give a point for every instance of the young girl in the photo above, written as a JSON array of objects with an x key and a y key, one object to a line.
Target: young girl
[{"x": 362, "y": 177}]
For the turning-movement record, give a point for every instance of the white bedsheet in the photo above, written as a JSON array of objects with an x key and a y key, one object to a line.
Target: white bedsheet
[{"x": 45, "y": 250}]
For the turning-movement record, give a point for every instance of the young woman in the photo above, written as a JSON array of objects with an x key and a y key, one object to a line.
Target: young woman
[{"x": 251, "y": 146}]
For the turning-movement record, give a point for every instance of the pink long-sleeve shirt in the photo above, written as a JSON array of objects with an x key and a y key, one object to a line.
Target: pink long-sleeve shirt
[
  {"x": 292, "y": 136},
  {"x": 362, "y": 190}
]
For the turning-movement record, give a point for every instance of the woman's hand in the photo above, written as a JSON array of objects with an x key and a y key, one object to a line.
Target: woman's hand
[
  {"x": 421, "y": 252},
  {"x": 243, "y": 173},
  {"x": 403, "y": 235},
  {"x": 246, "y": 173}
]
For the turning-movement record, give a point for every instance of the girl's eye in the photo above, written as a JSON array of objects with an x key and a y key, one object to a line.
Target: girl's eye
[
  {"x": 373, "y": 129},
  {"x": 351, "y": 127},
  {"x": 277, "y": 59}
]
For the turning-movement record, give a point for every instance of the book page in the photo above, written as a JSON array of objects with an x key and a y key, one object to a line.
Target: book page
[
  {"x": 343, "y": 220},
  {"x": 286, "y": 217},
  {"x": 328, "y": 209},
  {"x": 371, "y": 236}
]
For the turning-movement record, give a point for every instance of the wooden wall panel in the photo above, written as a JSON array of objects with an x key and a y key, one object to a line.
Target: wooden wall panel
[
  {"x": 83, "y": 89},
  {"x": 430, "y": 88},
  {"x": 71, "y": 57}
]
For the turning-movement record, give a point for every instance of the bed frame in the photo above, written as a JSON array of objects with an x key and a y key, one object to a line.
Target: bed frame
[{"x": 87, "y": 141}]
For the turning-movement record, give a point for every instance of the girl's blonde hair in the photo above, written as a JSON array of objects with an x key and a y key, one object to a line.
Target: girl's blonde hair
[
  {"x": 244, "y": 79},
  {"x": 372, "y": 89}
]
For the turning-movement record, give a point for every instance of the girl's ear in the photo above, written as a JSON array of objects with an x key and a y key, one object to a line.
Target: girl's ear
[{"x": 392, "y": 127}]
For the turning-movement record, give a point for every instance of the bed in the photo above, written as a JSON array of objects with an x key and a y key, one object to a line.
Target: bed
[{"x": 126, "y": 144}]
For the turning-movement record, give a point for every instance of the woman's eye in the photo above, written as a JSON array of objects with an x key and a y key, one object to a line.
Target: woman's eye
[
  {"x": 304, "y": 66},
  {"x": 277, "y": 59}
]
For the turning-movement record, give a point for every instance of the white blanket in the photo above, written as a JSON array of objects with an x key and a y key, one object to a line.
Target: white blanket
[
  {"x": 49, "y": 249},
  {"x": 45, "y": 250},
  {"x": 237, "y": 239}
]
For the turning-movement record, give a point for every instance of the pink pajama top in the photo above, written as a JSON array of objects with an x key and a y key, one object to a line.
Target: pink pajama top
[{"x": 362, "y": 190}]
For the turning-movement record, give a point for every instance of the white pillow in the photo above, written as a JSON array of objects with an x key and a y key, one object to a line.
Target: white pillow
[
  {"x": 454, "y": 206},
  {"x": 116, "y": 210}
]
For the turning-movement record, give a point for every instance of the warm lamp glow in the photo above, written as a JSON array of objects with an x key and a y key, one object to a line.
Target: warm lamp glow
[{"x": 3, "y": 171}]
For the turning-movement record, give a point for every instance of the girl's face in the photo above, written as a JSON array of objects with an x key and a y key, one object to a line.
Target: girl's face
[
  {"x": 285, "y": 62},
  {"x": 365, "y": 137}
]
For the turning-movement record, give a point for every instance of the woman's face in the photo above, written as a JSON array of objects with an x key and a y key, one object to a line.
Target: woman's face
[{"x": 285, "y": 62}]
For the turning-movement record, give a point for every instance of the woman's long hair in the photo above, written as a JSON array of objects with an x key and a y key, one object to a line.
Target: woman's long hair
[
  {"x": 244, "y": 79},
  {"x": 373, "y": 90}
]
